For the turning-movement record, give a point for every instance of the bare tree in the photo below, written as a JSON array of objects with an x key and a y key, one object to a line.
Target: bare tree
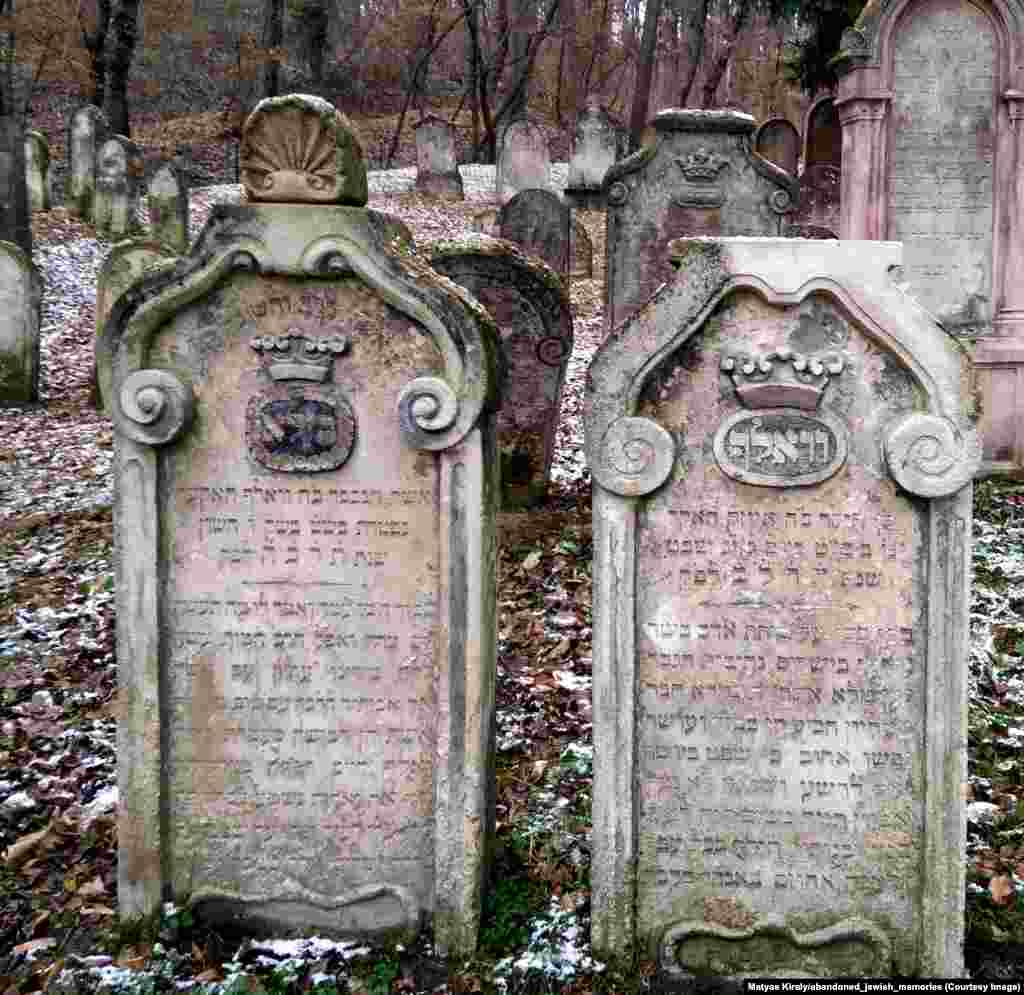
[
  {"x": 644, "y": 74},
  {"x": 125, "y": 28},
  {"x": 273, "y": 38},
  {"x": 94, "y": 21}
]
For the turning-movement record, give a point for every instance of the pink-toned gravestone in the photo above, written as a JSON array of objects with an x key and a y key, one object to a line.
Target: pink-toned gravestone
[
  {"x": 524, "y": 160},
  {"x": 437, "y": 171},
  {"x": 598, "y": 141},
  {"x": 931, "y": 96}
]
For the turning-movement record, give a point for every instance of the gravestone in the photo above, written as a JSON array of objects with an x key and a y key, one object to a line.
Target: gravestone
[
  {"x": 304, "y": 515},
  {"x": 778, "y": 141},
  {"x": 126, "y": 263},
  {"x": 581, "y": 252},
  {"x": 168, "y": 204},
  {"x": 699, "y": 176},
  {"x": 782, "y": 456},
  {"x": 119, "y": 172},
  {"x": 524, "y": 161},
  {"x": 538, "y": 222},
  {"x": 820, "y": 197},
  {"x": 823, "y": 135},
  {"x": 930, "y": 97},
  {"x": 598, "y": 141},
  {"x": 87, "y": 132},
  {"x": 437, "y": 170},
  {"x": 20, "y": 301},
  {"x": 37, "y": 170},
  {"x": 530, "y": 306}
]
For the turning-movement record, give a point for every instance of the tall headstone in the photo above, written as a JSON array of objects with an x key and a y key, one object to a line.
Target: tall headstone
[
  {"x": 437, "y": 169},
  {"x": 37, "y": 170},
  {"x": 539, "y": 223},
  {"x": 305, "y": 561},
  {"x": 699, "y": 176},
  {"x": 598, "y": 141},
  {"x": 119, "y": 174},
  {"x": 531, "y": 308},
  {"x": 87, "y": 131},
  {"x": 167, "y": 205},
  {"x": 778, "y": 141},
  {"x": 782, "y": 454},
  {"x": 524, "y": 160},
  {"x": 930, "y": 96},
  {"x": 20, "y": 301},
  {"x": 820, "y": 197}
]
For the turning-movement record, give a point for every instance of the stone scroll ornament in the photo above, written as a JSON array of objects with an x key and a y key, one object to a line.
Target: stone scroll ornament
[{"x": 305, "y": 454}]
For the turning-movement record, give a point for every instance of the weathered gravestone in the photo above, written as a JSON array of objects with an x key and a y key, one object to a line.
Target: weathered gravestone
[
  {"x": 524, "y": 160},
  {"x": 820, "y": 197},
  {"x": 119, "y": 172},
  {"x": 20, "y": 301},
  {"x": 87, "y": 131},
  {"x": 530, "y": 306},
  {"x": 37, "y": 170},
  {"x": 699, "y": 176},
  {"x": 823, "y": 135},
  {"x": 581, "y": 252},
  {"x": 167, "y": 206},
  {"x": 304, "y": 516},
  {"x": 538, "y": 222},
  {"x": 598, "y": 141},
  {"x": 437, "y": 170},
  {"x": 782, "y": 464},
  {"x": 127, "y": 262},
  {"x": 931, "y": 95},
  {"x": 778, "y": 141}
]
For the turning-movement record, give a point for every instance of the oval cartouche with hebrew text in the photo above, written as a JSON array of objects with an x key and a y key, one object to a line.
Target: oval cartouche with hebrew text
[{"x": 780, "y": 447}]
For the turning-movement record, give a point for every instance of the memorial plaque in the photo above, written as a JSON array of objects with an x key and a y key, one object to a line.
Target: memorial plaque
[
  {"x": 796, "y": 496},
  {"x": 300, "y": 599},
  {"x": 940, "y": 183}
]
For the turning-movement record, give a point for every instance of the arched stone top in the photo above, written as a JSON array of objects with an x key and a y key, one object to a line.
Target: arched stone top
[
  {"x": 291, "y": 240},
  {"x": 718, "y": 268},
  {"x": 869, "y": 43}
]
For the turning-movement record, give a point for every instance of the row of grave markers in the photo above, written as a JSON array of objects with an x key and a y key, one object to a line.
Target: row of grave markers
[{"x": 307, "y": 476}]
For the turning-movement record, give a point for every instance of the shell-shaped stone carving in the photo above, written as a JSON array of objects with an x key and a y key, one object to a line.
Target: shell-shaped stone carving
[{"x": 301, "y": 149}]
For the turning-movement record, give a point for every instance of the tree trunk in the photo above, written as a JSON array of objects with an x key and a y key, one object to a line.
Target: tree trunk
[
  {"x": 314, "y": 17},
  {"x": 728, "y": 45},
  {"x": 567, "y": 94},
  {"x": 94, "y": 19},
  {"x": 644, "y": 74},
  {"x": 125, "y": 30},
  {"x": 273, "y": 37},
  {"x": 693, "y": 16},
  {"x": 473, "y": 60}
]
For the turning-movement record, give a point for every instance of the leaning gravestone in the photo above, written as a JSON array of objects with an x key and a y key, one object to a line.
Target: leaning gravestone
[
  {"x": 782, "y": 459},
  {"x": 931, "y": 95},
  {"x": 598, "y": 141},
  {"x": 698, "y": 176},
  {"x": 37, "y": 170},
  {"x": 539, "y": 223},
  {"x": 20, "y": 301},
  {"x": 524, "y": 160},
  {"x": 168, "y": 203},
  {"x": 778, "y": 141},
  {"x": 119, "y": 171},
  {"x": 87, "y": 132},
  {"x": 530, "y": 306},
  {"x": 437, "y": 170},
  {"x": 305, "y": 486}
]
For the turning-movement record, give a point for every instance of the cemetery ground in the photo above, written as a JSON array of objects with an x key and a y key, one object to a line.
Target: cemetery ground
[{"x": 58, "y": 708}]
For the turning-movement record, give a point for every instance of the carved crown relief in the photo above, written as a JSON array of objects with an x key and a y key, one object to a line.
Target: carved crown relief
[{"x": 701, "y": 171}]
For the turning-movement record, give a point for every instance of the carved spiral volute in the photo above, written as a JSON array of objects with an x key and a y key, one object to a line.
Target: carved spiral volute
[
  {"x": 635, "y": 457},
  {"x": 427, "y": 408},
  {"x": 154, "y": 407},
  {"x": 931, "y": 457}
]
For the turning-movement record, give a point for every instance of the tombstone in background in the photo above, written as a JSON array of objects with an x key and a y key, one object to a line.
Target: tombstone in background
[
  {"x": 126, "y": 263},
  {"x": 305, "y": 506},
  {"x": 782, "y": 454},
  {"x": 37, "y": 170},
  {"x": 119, "y": 172},
  {"x": 437, "y": 170},
  {"x": 581, "y": 252},
  {"x": 538, "y": 222},
  {"x": 700, "y": 176},
  {"x": 598, "y": 141},
  {"x": 524, "y": 161},
  {"x": 20, "y": 300},
  {"x": 87, "y": 132},
  {"x": 823, "y": 135},
  {"x": 168, "y": 204},
  {"x": 778, "y": 141},
  {"x": 530, "y": 306},
  {"x": 930, "y": 103}
]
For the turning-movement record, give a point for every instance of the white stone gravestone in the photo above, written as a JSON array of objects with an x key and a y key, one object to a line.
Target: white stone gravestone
[
  {"x": 37, "y": 170},
  {"x": 437, "y": 170},
  {"x": 524, "y": 160},
  {"x": 87, "y": 131},
  {"x": 20, "y": 300},
  {"x": 119, "y": 172},
  {"x": 167, "y": 206}
]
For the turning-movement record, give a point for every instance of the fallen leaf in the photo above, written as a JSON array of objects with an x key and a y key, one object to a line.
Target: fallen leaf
[
  {"x": 531, "y": 561},
  {"x": 1001, "y": 889}
]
